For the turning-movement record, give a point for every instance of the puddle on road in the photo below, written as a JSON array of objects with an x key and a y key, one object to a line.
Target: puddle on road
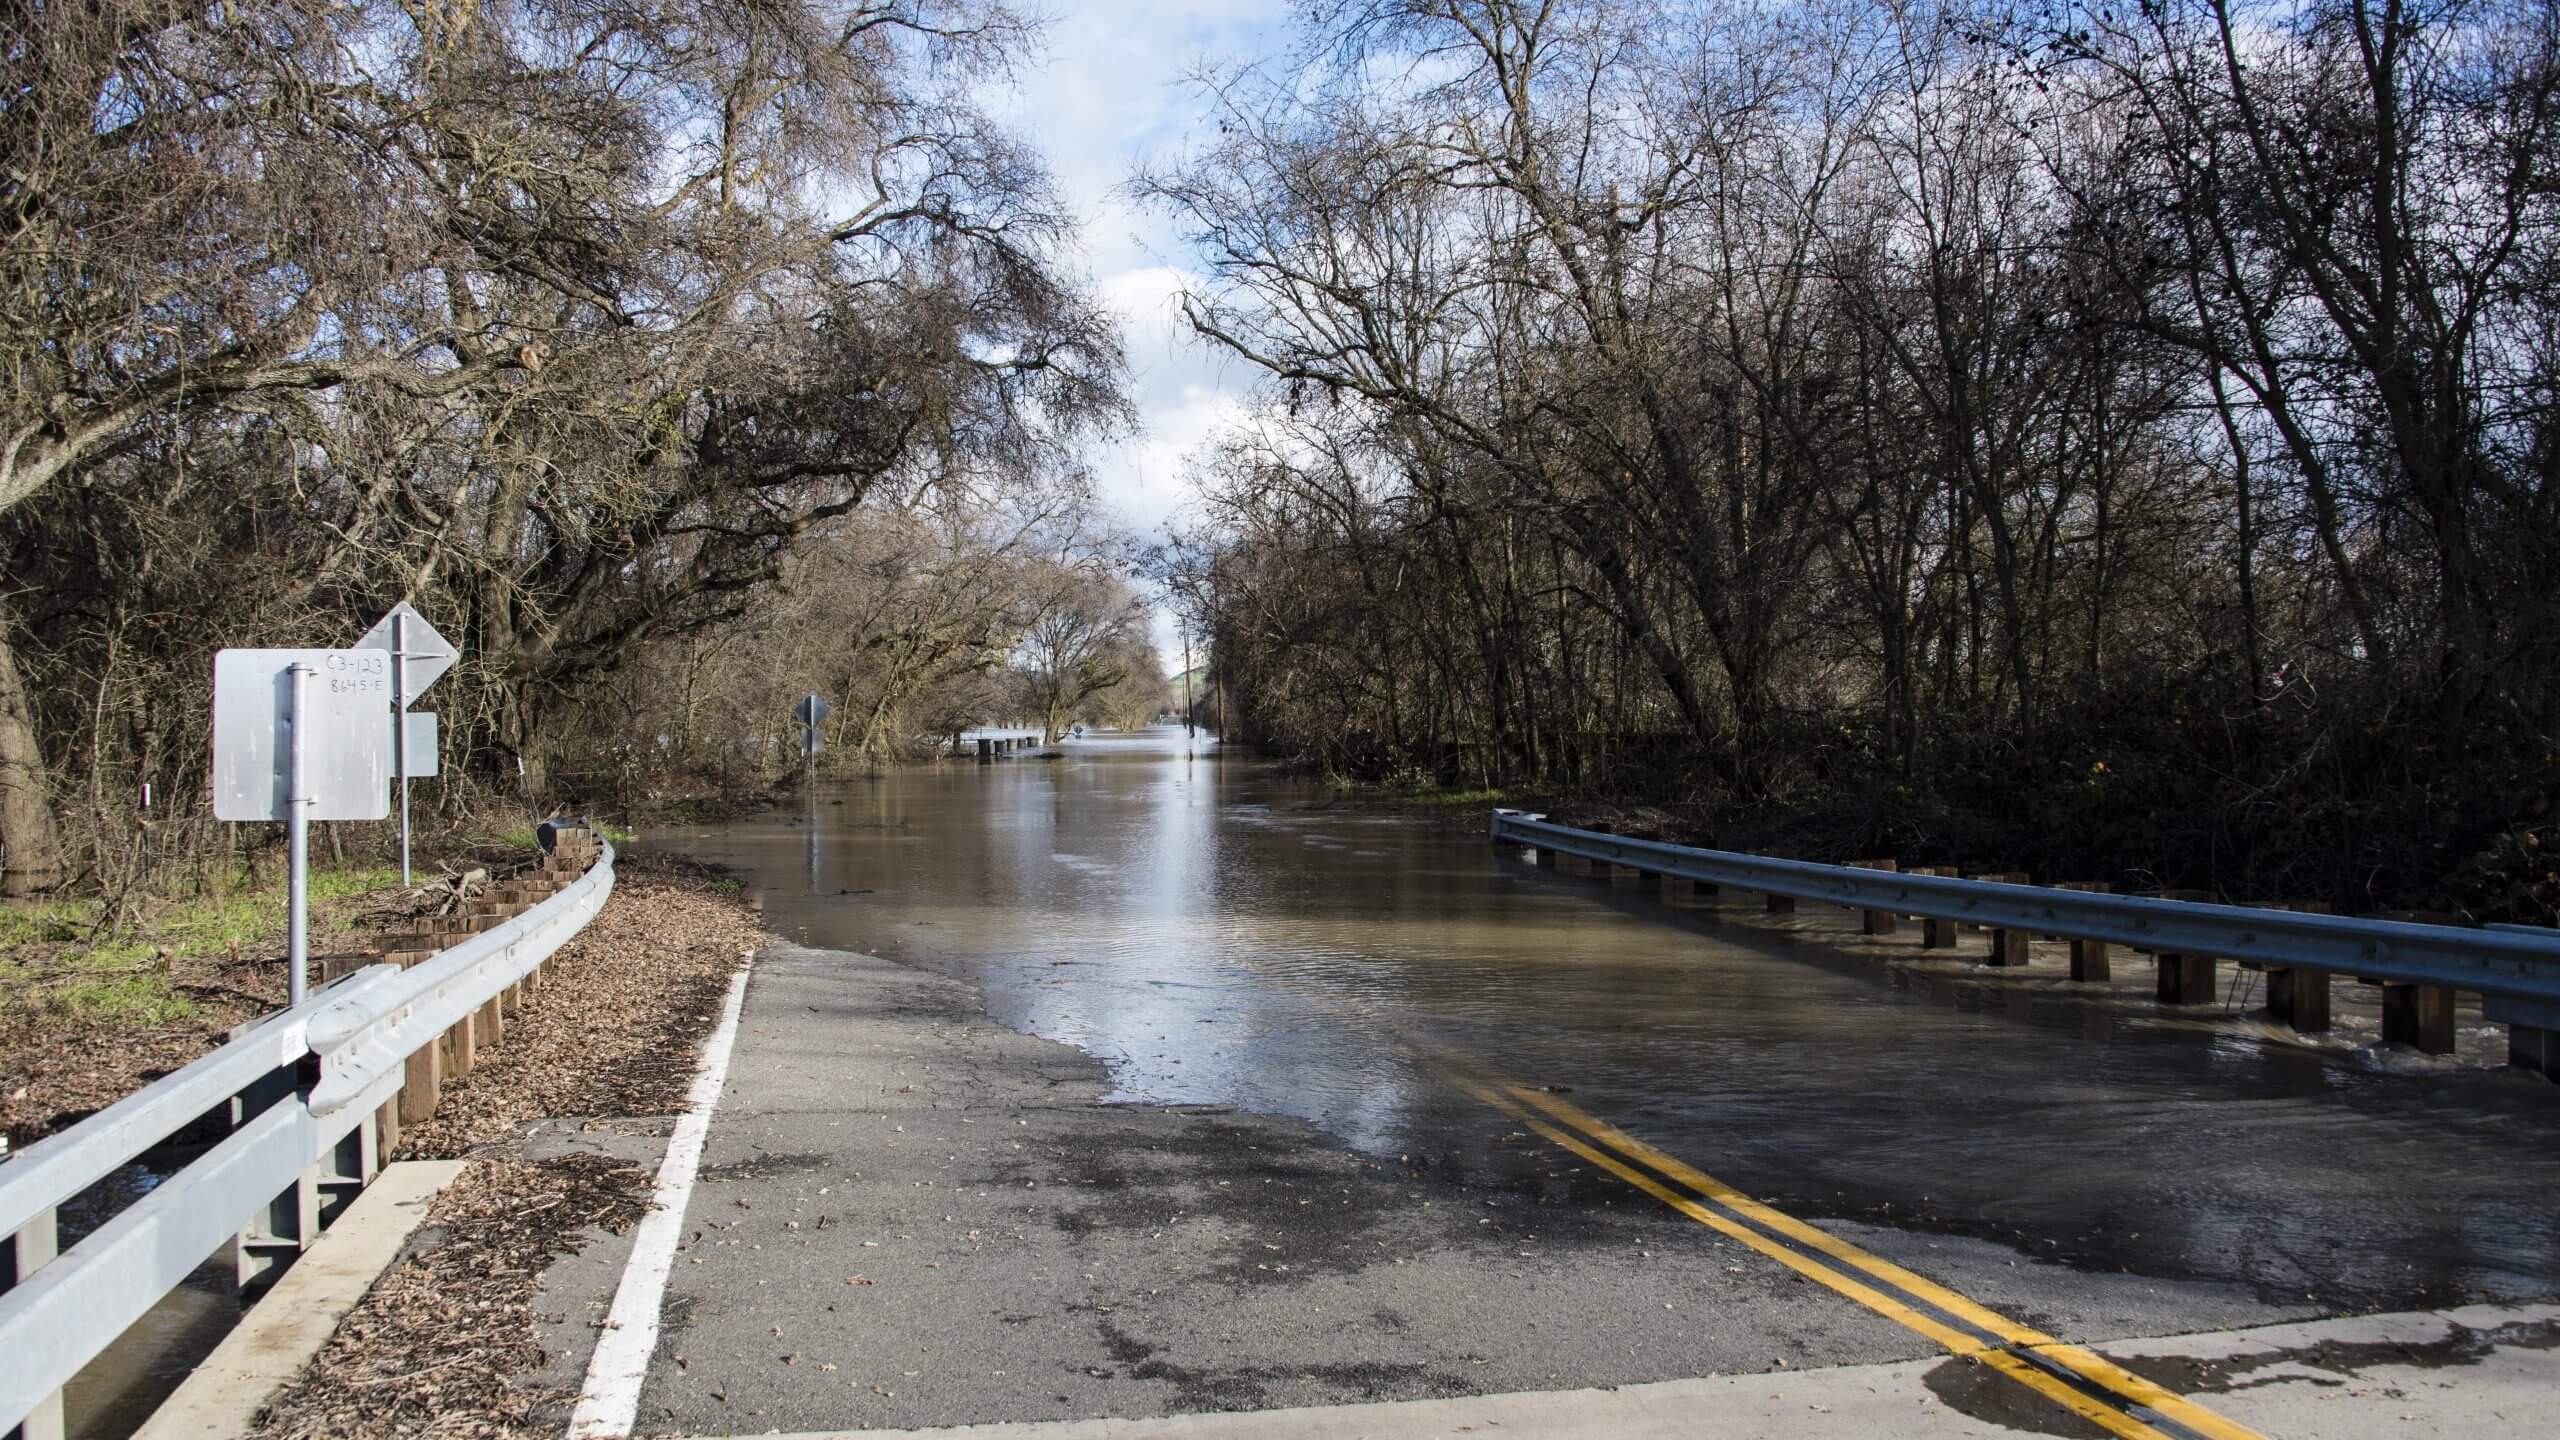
[{"x": 1219, "y": 934}]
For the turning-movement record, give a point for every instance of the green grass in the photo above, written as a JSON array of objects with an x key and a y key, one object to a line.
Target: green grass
[
  {"x": 1457, "y": 797},
  {"x": 523, "y": 838},
  {"x": 138, "y": 999},
  {"x": 218, "y": 922},
  {"x": 120, "y": 978},
  {"x": 29, "y": 921},
  {"x": 109, "y": 982}
]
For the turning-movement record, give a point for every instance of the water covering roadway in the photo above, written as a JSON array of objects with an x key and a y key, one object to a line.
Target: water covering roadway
[
  {"x": 1222, "y": 934},
  {"x": 1307, "y": 1100}
]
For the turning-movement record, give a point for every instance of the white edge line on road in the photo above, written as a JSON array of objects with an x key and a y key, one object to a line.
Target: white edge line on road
[{"x": 610, "y": 1403}]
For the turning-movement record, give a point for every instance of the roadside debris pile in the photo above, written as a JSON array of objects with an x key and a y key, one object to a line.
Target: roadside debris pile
[
  {"x": 620, "y": 1016},
  {"x": 435, "y": 1347}
]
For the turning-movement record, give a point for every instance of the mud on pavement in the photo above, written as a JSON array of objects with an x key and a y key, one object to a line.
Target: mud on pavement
[{"x": 911, "y": 1216}]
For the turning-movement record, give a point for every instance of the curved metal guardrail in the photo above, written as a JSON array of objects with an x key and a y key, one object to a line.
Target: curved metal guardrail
[
  {"x": 301, "y": 1087},
  {"x": 2515, "y": 969}
]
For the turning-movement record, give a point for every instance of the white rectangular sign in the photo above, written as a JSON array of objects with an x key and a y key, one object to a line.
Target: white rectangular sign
[
  {"x": 346, "y": 748},
  {"x": 422, "y": 743}
]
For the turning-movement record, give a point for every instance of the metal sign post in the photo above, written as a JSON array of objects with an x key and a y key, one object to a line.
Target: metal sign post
[
  {"x": 811, "y": 712},
  {"x": 297, "y": 839},
  {"x": 297, "y": 737},
  {"x": 400, "y": 729},
  {"x": 419, "y": 658}
]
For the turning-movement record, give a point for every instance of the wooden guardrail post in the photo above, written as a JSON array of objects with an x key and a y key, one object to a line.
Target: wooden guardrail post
[
  {"x": 2296, "y": 996},
  {"x": 2418, "y": 1015},
  {"x": 2008, "y": 947},
  {"x": 2299, "y": 997},
  {"x": 461, "y": 1046},
  {"x": 2535, "y": 1048},
  {"x": 2184, "y": 979},
  {"x": 422, "y": 1083},
  {"x": 1935, "y": 934},
  {"x": 1877, "y": 922},
  {"x": 2089, "y": 958}
]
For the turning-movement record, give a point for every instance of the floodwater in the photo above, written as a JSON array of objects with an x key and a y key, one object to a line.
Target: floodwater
[
  {"x": 1222, "y": 934},
  {"x": 116, "y": 1392}
]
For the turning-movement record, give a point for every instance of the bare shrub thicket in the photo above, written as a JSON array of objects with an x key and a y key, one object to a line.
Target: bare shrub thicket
[{"x": 2120, "y": 435}]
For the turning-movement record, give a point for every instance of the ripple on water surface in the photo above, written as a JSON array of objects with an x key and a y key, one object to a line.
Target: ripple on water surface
[{"x": 1221, "y": 934}]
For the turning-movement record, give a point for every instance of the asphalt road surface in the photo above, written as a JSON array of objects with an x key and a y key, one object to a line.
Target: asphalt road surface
[
  {"x": 1177, "y": 1089},
  {"x": 908, "y": 1216}
]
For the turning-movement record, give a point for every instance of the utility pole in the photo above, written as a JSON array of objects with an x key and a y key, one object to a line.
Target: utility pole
[{"x": 1188, "y": 729}]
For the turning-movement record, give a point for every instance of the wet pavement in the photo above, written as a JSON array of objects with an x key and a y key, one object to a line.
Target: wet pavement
[
  {"x": 908, "y": 1215},
  {"x": 1216, "y": 934}
]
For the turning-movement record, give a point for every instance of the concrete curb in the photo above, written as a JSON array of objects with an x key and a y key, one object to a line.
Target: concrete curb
[{"x": 282, "y": 1332}]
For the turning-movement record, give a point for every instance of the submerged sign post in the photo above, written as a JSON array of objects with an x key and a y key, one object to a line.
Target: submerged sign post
[
  {"x": 811, "y": 712},
  {"x": 419, "y": 658},
  {"x": 298, "y": 737}
]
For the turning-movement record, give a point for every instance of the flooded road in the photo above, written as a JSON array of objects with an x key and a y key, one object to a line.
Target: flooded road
[{"x": 1221, "y": 935}]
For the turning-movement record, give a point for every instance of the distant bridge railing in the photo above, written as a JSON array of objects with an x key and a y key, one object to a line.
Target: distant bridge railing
[
  {"x": 2514, "y": 969},
  {"x": 299, "y": 1107}
]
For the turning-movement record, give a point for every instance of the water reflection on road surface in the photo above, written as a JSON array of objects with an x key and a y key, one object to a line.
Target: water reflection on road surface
[{"x": 1223, "y": 934}]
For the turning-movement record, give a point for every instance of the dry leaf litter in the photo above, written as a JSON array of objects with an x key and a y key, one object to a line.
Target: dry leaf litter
[{"x": 440, "y": 1345}]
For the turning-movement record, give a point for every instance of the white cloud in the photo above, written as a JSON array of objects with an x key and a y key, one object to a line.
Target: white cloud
[{"x": 1111, "y": 94}]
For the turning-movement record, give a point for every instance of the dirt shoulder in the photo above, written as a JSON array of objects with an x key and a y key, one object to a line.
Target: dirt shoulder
[{"x": 445, "y": 1341}]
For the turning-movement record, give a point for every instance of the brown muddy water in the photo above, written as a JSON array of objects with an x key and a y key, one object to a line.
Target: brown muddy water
[{"x": 1222, "y": 934}]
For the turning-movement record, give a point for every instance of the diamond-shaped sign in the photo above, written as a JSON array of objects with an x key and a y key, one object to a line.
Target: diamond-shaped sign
[
  {"x": 811, "y": 710},
  {"x": 429, "y": 654}
]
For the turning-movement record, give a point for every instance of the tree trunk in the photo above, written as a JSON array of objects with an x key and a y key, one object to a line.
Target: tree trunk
[{"x": 30, "y": 842}]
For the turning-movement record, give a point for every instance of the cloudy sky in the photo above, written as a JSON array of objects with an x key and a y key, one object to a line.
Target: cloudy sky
[{"x": 1108, "y": 95}]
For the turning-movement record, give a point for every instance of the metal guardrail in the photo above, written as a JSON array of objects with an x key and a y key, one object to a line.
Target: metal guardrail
[
  {"x": 2516, "y": 969},
  {"x": 302, "y": 1088}
]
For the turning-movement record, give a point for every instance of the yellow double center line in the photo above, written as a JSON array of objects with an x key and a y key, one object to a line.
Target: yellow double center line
[{"x": 2085, "y": 1383}]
